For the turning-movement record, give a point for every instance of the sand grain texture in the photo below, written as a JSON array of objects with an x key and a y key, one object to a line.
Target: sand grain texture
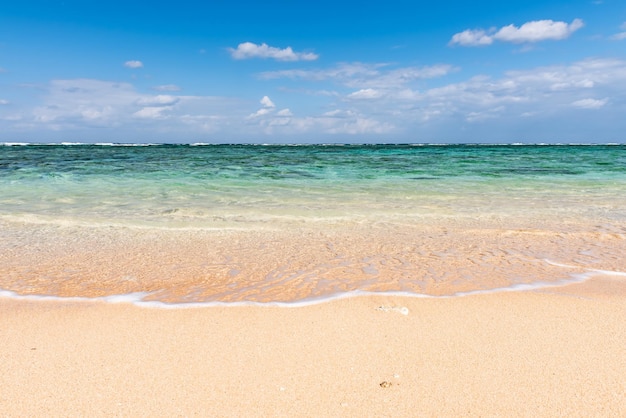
[{"x": 560, "y": 352}]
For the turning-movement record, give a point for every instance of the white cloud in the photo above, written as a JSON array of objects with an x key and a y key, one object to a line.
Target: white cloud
[
  {"x": 539, "y": 30},
  {"x": 469, "y": 37},
  {"x": 360, "y": 75},
  {"x": 341, "y": 122},
  {"x": 375, "y": 99},
  {"x": 590, "y": 103},
  {"x": 133, "y": 64},
  {"x": 484, "y": 115},
  {"x": 267, "y": 102},
  {"x": 359, "y": 125},
  {"x": 248, "y": 50},
  {"x": 261, "y": 112},
  {"x": 268, "y": 107},
  {"x": 167, "y": 87},
  {"x": 533, "y": 31},
  {"x": 4, "y": 102},
  {"x": 80, "y": 105},
  {"x": 340, "y": 72},
  {"x": 284, "y": 112},
  {"x": 365, "y": 94},
  {"x": 332, "y": 113},
  {"x": 152, "y": 112},
  {"x": 386, "y": 95},
  {"x": 573, "y": 84},
  {"x": 160, "y": 100}
]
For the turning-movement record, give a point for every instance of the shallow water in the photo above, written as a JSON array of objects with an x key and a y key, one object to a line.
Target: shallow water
[{"x": 267, "y": 224}]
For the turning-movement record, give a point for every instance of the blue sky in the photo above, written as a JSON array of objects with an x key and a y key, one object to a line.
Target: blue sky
[{"x": 324, "y": 71}]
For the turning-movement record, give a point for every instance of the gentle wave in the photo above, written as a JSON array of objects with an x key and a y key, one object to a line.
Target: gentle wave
[{"x": 139, "y": 298}]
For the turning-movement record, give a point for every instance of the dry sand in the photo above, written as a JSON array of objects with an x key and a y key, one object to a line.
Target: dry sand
[{"x": 557, "y": 352}]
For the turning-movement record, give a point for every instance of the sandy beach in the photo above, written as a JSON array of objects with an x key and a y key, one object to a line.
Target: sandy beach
[
  {"x": 321, "y": 281},
  {"x": 554, "y": 352}
]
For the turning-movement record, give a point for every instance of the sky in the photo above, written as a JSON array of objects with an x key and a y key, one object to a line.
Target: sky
[{"x": 281, "y": 71}]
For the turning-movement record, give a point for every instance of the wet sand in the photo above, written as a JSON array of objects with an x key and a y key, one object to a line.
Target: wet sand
[
  {"x": 293, "y": 262},
  {"x": 554, "y": 352}
]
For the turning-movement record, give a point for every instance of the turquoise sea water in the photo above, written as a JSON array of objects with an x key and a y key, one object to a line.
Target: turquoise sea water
[
  {"x": 244, "y": 223},
  {"x": 183, "y": 185}
]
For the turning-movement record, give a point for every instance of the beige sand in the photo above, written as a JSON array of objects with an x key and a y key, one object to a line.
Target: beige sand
[{"x": 558, "y": 352}]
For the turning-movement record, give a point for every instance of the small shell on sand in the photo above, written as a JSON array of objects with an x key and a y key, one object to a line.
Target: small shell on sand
[{"x": 400, "y": 309}]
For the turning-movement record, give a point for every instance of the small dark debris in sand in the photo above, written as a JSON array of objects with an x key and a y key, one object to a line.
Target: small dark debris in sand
[{"x": 385, "y": 384}]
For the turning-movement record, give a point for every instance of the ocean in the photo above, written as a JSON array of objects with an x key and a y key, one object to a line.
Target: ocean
[{"x": 187, "y": 224}]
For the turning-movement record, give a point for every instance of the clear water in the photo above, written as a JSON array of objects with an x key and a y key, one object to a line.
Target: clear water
[
  {"x": 182, "y": 185},
  {"x": 284, "y": 223}
]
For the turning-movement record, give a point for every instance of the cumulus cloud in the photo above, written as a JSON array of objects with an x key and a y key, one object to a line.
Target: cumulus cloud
[
  {"x": 247, "y": 50},
  {"x": 267, "y": 102},
  {"x": 133, "y": 64},
  {"x": 268, "y": 107},
  {"x": 472, "y": 37},
  {"x": 590, "y": 103},
  {"x": 167, "y": 87},
  {"x": 539, "y": 30},
  {"x": 533, "y": 31}
]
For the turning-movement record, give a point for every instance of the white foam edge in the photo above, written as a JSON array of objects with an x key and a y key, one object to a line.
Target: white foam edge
[{"x": 138, "y": 298}]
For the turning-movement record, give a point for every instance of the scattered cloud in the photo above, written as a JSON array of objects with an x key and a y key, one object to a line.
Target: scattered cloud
[
  {"x": 590, "y": 103},
  {"x": 485, "y": 114},
  {"x": 4, "y": 102},
  {"x": 156, "y": 101},
  {"x": 152, "y": 112},
  {"x": 621, "y": 35},
  {"x": 340, "y": 122},
  {"x": 84, "y": 104},
  {"x": 247, "y": 50},
  {"x": 166, "y": 87},
  {"x": 373, "y": 99},
  {"x": 533, "y": 31},
  {"x": 361, "y": 75},
  {"x": 133, "y": 64}
]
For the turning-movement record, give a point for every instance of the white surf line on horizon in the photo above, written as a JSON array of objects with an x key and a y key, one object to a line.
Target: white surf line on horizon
[{"x": 139, "y": 298}]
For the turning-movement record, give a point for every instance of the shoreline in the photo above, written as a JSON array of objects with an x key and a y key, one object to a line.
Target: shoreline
[
  {"x": 138, "y": 299},
  {"x": 549, "y": 352}
]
